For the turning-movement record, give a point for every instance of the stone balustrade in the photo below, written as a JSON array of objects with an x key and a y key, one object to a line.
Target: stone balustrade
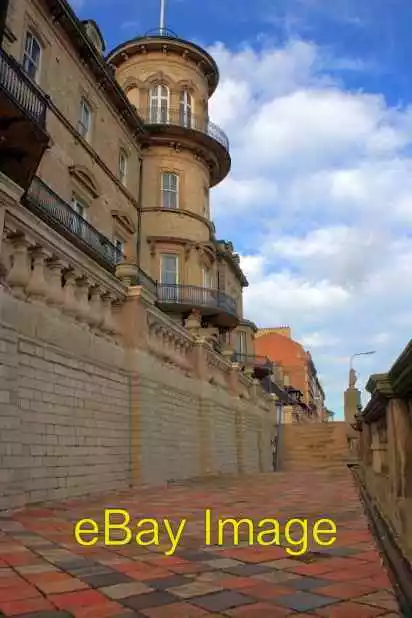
[
  {"x": 39, "y": 266},
  {"x": 169, "y": 342},
  {"x": 384, "y": 430}
]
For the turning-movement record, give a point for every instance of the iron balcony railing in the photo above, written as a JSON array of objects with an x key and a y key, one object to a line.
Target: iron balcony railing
[
  {"x": 250, "y": 360},
  {"x": 44, "y": 202},
  {"x": 195, "y": 296},
  {"x": 146, "y": 281},
  {"x": 181, "y": 118},
  {"x": 19, "y": 87}
]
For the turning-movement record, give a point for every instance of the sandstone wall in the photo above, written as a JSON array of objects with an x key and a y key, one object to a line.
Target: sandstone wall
[{"x": 80, "y": 413}]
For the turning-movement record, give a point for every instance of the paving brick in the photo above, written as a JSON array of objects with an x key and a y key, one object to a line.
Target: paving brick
[{"x": 222, "y": 601}]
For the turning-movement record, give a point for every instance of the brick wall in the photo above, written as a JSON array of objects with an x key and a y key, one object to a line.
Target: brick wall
[
  {"x": 79, "y": 414},
  {"x": 64, "y": 413}
]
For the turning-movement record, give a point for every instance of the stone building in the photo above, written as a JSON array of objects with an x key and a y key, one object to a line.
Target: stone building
[{"x": 124, "y": 353}]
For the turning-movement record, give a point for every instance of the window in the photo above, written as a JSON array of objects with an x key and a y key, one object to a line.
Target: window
[
  {"x": 159, "y": 104},
  {"x": 32, "y": 56},
  {"x": 241, "y": 343},
  {"x": 77, "y": 224},
  {"x": 170, "y": 190},
  {"x": 120, "y": 249},
  {"x": 85, "y": 120},
  {"x": 169, "y": 269},
  {"x": 122, "y": 167},
  {"x": 206, "y": 203},
  {"x": 185, "y": 109},
  {"x": 79, "y": 206},
  {"x": 207, "y": 278},
  {"x": 169, "y": 278}
]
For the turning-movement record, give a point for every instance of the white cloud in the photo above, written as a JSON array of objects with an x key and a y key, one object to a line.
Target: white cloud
[{"x": 321, "y": 196}]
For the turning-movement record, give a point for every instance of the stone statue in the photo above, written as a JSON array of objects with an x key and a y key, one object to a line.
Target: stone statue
[{"x": 352, "y": 378}]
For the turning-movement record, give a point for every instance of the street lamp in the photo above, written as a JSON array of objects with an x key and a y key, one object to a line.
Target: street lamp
[{"x": 360, "y": 354}]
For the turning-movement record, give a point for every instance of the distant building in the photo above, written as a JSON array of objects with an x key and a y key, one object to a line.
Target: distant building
[{"x": 279, "y": 346}]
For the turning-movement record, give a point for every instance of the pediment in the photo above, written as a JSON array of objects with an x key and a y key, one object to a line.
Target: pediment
[
  {"x": 124, "y": 220},
  {"x": 85, "y": 178}
]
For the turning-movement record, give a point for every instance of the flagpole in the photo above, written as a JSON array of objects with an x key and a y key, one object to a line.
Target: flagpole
[{"x": 162, "y": 16}]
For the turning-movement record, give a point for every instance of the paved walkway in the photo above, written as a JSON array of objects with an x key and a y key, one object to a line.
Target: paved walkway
[{"x": 45, "y": 573}]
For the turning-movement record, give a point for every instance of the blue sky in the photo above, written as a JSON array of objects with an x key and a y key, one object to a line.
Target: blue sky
[{"x": 315, "y": 98}]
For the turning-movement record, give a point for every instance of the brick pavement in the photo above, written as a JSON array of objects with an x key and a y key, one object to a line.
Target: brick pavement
[{"x": 44, "y": 573}]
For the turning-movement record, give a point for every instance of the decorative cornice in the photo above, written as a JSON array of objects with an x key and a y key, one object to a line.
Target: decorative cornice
[
  {"x": 380, "y": 383},
  {"x": 61, "y": 12},
  {"x": 401, "y": 372},
  {"x": 124, "y": 220},
  {"x": 82, "y": 175},
  {"x": 375, "y": 409}
]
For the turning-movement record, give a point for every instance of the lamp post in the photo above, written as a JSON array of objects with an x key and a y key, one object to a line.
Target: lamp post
[{"x": 360, "y": 354}]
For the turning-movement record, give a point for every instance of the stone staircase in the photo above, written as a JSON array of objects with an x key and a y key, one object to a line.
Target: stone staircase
[{"x": 313, "y": 446}]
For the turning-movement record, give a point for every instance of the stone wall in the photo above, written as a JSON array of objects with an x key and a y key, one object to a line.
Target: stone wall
[
  {"x": 100, "y": 390},
  {"x": 385, "y": 447}
]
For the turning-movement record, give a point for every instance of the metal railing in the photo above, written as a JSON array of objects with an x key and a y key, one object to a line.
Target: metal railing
[
  {"x": 195, "y": 296},
  {"x": 45, "y": 203},
  {"x": 180, "y": 118},
  {"x": 250, "y": 360},
  {"x": 16, "y": 83},
  {"x": 146, "y": 281}
]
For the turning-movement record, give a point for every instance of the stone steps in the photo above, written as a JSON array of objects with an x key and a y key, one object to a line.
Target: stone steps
[{"x": 315, "y": 447}]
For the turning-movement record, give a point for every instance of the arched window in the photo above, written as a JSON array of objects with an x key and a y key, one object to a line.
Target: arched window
[
  {"x": 159, "y": 104},
  {"x": 185, "y": 108}
]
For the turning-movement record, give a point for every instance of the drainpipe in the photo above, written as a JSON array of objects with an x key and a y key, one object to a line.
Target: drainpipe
[{"x": 139, "y": 213}]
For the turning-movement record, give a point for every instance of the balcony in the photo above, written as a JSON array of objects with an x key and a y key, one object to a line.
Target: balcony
[
  {"x": 48, "y": 206},
  {"x": 260, "y": 365},
  {"x": 175, "y": 125},
  {"x": 23, "y": 136},
  {"x": 177, "y": 118},
  {"x": 216, "y": 306}
]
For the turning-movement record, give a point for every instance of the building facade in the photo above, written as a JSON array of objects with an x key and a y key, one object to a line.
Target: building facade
[
  {"x": 298, "y": 367},
  {"x": 125, "y": 356}
]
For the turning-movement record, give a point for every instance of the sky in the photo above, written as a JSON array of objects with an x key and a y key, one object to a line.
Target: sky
[{"x": 315, "y": 97}]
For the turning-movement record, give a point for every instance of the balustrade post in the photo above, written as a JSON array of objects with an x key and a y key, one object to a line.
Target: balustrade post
[
  {"x": 70, "y": 304},
  {"x": 19, "y": 275},
  {"x": 107, "y": 323},
  {"x": 54, "y": 281},
  {"x": 37, "y": 287},
  {"x": 95, "y": 307},
  {"x": 82, "y": 296},
  {"x": 199, "y": 358}
]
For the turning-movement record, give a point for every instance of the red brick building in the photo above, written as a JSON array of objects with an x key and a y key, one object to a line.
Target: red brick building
[{"x": 298, "y": 366}]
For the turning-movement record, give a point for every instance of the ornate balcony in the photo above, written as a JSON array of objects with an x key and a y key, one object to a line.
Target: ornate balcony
[
  {"x": 176, "y": 125},
  {"x": 261, "y": 366},
  {"x": 47, "y": 205},
  {"x": 23, "y": 136},
  {"x": 216, "y": 306}
]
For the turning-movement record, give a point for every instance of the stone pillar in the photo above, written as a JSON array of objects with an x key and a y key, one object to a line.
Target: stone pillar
[{"x": 352, "y": 404}]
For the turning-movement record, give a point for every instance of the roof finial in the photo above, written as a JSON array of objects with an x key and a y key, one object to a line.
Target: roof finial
[{"x": 162, "y": 16}]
